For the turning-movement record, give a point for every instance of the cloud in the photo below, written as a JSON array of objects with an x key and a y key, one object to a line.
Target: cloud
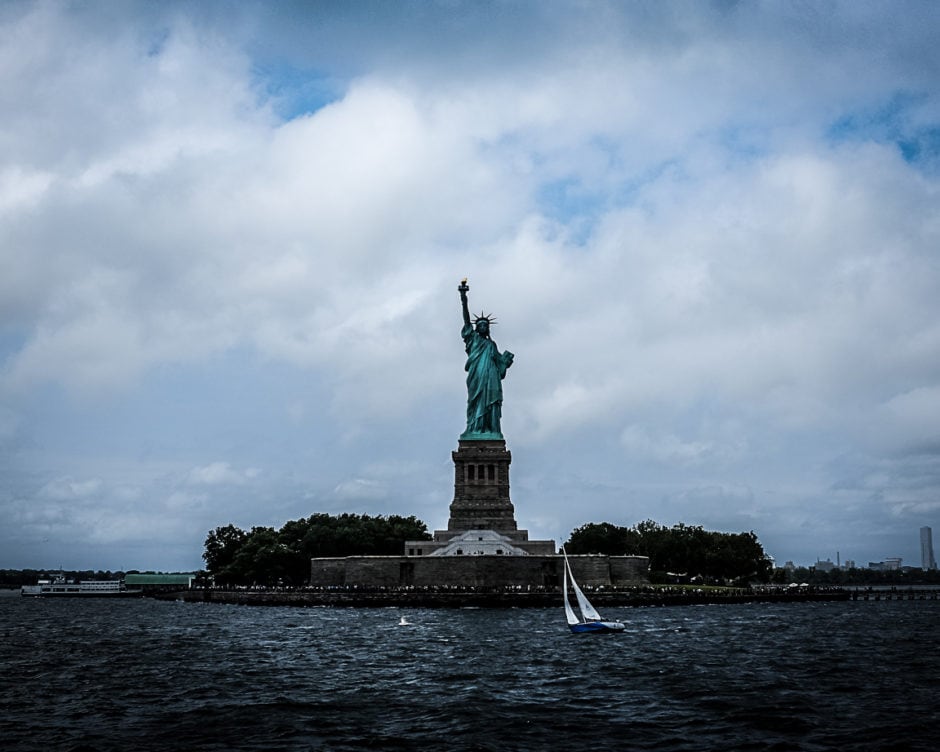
[
  {"x": 63, "y": 489},
  {"x": 179, "y": 501},
  {"x": 708, "y": 235},
  {"x": 668, "y": 448},
  {"x": 221, "y": 473},
  {"x": 360, "y": 489},
  {"x": 913, "y": 418}
]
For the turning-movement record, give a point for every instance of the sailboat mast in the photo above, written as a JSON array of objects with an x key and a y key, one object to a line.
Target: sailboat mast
[{"x": 569, "y": 612}]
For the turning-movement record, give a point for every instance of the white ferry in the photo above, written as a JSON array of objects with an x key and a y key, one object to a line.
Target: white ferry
[{"x": 85, "y": 588}]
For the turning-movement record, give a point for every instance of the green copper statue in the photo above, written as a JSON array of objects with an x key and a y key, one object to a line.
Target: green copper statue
[{"x": 486, "y": 367}]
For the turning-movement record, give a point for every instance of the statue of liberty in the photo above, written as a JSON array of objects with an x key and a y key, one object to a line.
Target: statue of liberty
[{"x": 486, "y": 367}]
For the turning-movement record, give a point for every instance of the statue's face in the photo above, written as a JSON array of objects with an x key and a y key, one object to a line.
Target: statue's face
[{"x": 483, "y": 327}]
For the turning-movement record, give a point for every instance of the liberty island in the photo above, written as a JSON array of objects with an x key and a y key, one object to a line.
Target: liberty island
[{"x": 482, "y": 547}]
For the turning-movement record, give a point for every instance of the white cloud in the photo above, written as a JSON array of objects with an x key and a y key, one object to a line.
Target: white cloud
[
  {"x": 699, "y": 231},
  {"x": 180, "y": 501},
  {"x": 638, "y": 442},
  {"x": 64, "y": 489},
  {"x": 221, "y": 473},
  {"x": 360, "y": 489}
]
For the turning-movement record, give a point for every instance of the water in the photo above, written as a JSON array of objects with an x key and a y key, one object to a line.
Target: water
[{"x": 148, "y": 675}]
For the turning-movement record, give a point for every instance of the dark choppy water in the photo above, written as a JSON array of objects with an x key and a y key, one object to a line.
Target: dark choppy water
[{"x": 148, "y": 675}]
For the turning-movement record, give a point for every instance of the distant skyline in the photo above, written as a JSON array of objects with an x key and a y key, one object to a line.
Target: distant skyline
[
  {"x": 927, "y": 559},
  {"x": 231, "y": 236}
]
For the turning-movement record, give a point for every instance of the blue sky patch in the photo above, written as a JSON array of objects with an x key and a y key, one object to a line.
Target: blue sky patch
[
  {"x": 294, "y": 91},
  {"x": 894, "y": 121},
  {"x": 567, "y": 199}
]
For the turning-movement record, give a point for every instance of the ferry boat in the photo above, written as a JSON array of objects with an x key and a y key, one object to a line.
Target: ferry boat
[{"x": 84, "y": 589}]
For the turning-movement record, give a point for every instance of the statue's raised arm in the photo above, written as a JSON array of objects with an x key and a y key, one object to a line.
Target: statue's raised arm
[
  {"x": 463, "y": 288},
  {"x": 486, "y": 367}
]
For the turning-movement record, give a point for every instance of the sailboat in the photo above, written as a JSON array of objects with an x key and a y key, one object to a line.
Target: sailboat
[{"x": 590, "y": 620}]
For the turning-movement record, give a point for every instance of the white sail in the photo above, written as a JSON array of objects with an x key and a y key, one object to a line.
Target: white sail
[
  {"x": 569, "y": 612},
  {"x": 588, "y": 612}
]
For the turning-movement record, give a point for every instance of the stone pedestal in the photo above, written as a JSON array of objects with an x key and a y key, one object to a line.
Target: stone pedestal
[
  {"x": 481, "y": 491},
  {"x": 482, "y": 518}
]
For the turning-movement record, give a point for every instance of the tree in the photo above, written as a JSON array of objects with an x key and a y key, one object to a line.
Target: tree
[
  {"x": 601, "y": 538},
  {"x": 262, "y": 559},
  {"x": 265, "y": 556},
  {"x": 221, "y": 549},
  {"x": 686, "y": 549}
]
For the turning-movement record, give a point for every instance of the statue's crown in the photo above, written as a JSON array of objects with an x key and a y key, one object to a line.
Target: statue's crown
[{"x": 487, "y": 317}]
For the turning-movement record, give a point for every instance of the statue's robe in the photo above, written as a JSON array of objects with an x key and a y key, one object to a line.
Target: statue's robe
[{"x": 485, "y": 368}]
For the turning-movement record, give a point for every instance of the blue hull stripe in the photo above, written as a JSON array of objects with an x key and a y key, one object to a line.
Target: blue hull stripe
[{"x": 596, "y": 627}]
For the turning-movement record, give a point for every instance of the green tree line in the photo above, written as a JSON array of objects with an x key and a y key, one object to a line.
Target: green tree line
[
  {"x": 265, "y": 556},
  {"x": 678, "y": 551}
]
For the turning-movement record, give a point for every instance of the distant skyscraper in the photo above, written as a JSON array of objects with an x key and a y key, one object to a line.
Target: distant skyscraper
[{"x": 926, "y": 549}]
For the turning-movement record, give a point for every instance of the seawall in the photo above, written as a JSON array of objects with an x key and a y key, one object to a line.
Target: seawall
[{"x": 353, "y": 598}]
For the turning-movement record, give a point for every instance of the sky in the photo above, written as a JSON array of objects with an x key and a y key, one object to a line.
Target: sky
[{"x": 231, "y": 236}]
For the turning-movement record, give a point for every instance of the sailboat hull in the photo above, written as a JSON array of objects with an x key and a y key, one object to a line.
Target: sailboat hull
[{"x": 596, "y": 627}]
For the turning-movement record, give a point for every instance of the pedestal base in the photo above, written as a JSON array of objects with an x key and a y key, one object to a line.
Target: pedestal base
[
  {"x": 481, "y": 490},
  {"x": 482, "y": 517}
]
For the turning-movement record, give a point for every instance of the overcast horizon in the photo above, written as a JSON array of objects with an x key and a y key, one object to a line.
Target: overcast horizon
[{"x": 232, "y": 235}]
